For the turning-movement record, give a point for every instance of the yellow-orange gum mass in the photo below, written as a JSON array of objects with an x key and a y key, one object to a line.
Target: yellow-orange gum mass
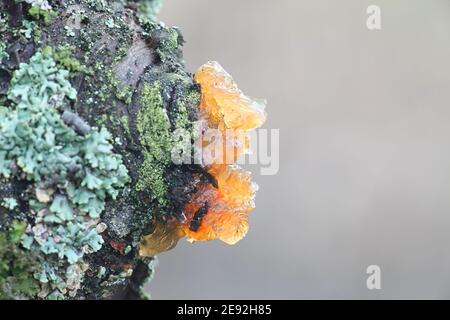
[
  {"x": 217, "y": 211},
  {"x": 225, "y": 106},
  {"x": 227, "y": 206}
]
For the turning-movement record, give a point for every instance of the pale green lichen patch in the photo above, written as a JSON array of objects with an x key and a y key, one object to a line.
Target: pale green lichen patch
[
  {"x": 28, "y": 29},
  {"x": 3, "y": 54},
  {"x": 38, "y": 13},
  {"x": 9, "y": 203},
  {"x": 72, "y": 174},
  {"x": 149, "y": 9},
  {"x": 69, "y": 241},
  {"x": 154, "y": 129},
  {"x": 63, "y": 57}
]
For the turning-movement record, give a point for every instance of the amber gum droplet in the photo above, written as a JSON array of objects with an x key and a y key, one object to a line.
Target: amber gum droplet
[{"x": 164, "y": 237}]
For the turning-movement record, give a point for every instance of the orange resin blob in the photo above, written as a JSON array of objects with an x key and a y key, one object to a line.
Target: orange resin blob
[
  {"x": 224, "y": 104},
  {"x": 227, "y": 109},
  {"x": 220, "y": 211}
]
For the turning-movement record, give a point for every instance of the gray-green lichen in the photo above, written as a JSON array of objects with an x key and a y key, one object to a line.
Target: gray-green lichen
[
  {"x": 3, "y": 54},
  {"x": 41, "y": 13},
  {"x": 9, "y": 203},
  {"x": 40, "y": 86},
  {"x": 72, "y": 174},
  {"x": 149, "y": 9}
]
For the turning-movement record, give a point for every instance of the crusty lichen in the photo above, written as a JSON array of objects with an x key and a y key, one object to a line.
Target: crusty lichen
[
  {"x": 63, "y": 57},
  {"x": 154, "y": 129}
]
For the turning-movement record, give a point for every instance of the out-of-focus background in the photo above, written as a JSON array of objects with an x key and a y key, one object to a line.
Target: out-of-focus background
[{"x": 364, "y": 119}]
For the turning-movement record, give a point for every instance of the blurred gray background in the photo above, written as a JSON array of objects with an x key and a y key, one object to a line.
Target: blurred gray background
[{"x": 364, "y": 119}]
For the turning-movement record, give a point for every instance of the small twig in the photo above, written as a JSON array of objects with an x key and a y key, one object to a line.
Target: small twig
[{"x": 76, "y": 122}]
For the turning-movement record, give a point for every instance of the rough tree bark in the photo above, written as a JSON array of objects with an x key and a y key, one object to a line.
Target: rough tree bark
[{"x": 121, "y": 63}]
